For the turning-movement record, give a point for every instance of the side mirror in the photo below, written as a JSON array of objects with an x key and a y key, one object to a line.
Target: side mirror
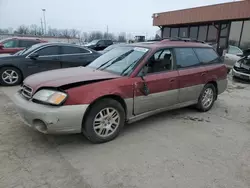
[
  {"x": 240, "y": 54},
  {"x": 34, "y": 56},
  {"x": 1, "y": 46}
]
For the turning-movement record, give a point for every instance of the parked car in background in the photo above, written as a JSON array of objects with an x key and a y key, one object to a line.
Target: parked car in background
[
  {"x": 99, "y": 45},
  {"x": 233, "y": 54},
  {"x": 111, "y": 47},
  {"x": 125, "y": 84},
  {"x": 13, "y": 45},
  {"x": 43, "y": 57},
  {"x": 241, "y": 68}
]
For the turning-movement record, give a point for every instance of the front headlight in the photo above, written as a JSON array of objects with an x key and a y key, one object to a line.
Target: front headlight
[{"x": 50, "y": 96}]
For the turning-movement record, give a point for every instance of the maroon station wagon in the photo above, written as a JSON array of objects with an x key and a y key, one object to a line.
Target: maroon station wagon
[{"x": 125, "y": 84}]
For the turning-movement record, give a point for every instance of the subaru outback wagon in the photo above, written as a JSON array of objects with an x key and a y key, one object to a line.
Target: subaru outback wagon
[{"x": 124, "y": 85}]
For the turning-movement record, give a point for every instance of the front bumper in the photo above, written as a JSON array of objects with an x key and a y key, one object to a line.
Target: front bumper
[
  {"x": 240, "y": 75},
  {"x": 50, "y": 119}
]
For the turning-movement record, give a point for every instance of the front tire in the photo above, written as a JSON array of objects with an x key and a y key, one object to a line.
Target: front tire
[
  {"x": 10, "y": 76},
  {"x": 207, "y": 98},
  {"x": 104, "y": 121}
]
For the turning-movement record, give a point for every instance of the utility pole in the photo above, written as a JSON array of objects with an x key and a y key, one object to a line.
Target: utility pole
[
  {"x": 107, "y": 31},
  {"x": 42, "y": 25},
  {"x": 44, "y": 10}
]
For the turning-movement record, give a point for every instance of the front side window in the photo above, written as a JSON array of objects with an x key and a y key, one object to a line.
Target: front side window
[
  {"x": 73, "y": 50},
  {"x": 50, "y": 50},
  {"x": 234, "y": 50},
  {"x": 185, "y": 58},
  {"x": 101, "y": 43},
  {"x": 161, "y": 61},
  {"x": 120, "y": 60},
  {"x": 207, "y": 55},
  {"x": 10, "y": 44}
]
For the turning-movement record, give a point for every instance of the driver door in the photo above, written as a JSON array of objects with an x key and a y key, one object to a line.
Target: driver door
[
  {"x": 48, "y": 59},
  {"x": 161, "y": 81}
]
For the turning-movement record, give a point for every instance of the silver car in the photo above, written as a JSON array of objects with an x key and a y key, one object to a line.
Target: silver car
[{"x": 232, "y": 56}]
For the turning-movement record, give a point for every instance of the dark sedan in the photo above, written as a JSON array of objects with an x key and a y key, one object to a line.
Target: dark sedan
[{"x": 43, "y": 57}]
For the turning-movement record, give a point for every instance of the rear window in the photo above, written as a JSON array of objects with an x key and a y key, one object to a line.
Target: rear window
[{"x": 207, "y": 55}]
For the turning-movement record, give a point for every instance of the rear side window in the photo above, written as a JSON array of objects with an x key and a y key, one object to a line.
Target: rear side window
[
  {"x": 73, "y": 50},
  {"x": 207, "y": 55},
  {"x": 50, "y": 50},
  {"x": 26, "y": 43},
  {"x": 186, "y": 57}
]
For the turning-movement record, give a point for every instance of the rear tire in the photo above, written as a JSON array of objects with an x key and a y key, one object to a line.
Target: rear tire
[
  {"x": 104, "y": 121},
  {"x": 10, "y": 76},
  {"x": 207, "y": 98}
]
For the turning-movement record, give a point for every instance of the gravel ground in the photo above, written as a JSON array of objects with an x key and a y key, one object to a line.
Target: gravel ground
[{"x": 182, "y": 148}]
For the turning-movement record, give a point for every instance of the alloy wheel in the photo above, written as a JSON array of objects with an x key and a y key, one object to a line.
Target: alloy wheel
[{"x": 106, "y": 122}]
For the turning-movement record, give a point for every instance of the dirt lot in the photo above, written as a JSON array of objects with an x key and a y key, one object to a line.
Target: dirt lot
[{"x": 182, "y": 148}]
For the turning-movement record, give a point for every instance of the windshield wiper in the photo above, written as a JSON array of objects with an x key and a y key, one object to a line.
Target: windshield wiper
[
  {"x": 104, "y": 64},
  {"x": 116, "y": 60},
  {"x": 129, "y": 67}
]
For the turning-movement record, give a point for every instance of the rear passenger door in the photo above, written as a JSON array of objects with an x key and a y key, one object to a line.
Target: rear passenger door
[
  {"x": 215, "y": 69},
  {"x": 72, "y": 56},
  {"x": 192, "y": 75}
]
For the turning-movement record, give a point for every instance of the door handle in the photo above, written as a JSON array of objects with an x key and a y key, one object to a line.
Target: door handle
[
  {"x": 172, "y": 80},
  {"x": 203, "y": 74}
]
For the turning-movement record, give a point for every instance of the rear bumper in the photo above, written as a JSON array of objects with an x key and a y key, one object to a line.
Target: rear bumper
[
  {"x": 50, "y": 119},
  {"x": 240, "y": 74}
]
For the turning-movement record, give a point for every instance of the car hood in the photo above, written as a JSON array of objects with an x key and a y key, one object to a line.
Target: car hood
[{"x": 61, "y": 77}]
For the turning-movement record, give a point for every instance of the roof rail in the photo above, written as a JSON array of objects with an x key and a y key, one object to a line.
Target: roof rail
[{"x": 184, "y": 39}]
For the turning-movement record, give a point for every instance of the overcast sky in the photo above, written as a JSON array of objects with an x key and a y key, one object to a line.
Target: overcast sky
[{"x": 130, "y": 16}]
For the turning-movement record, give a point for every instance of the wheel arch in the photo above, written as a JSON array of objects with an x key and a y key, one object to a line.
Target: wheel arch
[
  {"x": 3, "y": 66},
  {"x": 214, "y": 83},
  {"x": 111, "y": 96}
]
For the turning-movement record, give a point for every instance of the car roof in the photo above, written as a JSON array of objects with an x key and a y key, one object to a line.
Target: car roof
[
  {"x": 24, "y": 38},
  {"x": 169, "y": 43},
  {"x": 59, "y": 44}
]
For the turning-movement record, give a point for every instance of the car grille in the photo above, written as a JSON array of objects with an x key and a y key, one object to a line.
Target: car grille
[
  {"x": 26, "y": 91},
  {"x": 242, "y": 70}
]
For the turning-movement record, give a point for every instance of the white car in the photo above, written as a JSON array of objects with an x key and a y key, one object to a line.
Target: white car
[{"x": 232, "y": 56}]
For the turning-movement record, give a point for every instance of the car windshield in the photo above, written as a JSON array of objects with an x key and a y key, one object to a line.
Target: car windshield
[
  {"x": 119, "y": 60},
  {"x": 93, "y": 42}
]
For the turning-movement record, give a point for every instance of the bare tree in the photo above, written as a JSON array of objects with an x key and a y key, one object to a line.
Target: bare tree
[
  {"x": 34, "y": 29},
  {"x": 74, "y": 33},
  {"x": 65, "y": 33},
  {"x": 22, "y": 30},
  {"x": 122, "y": 37},
  {"x": 53, "y": 32}
]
